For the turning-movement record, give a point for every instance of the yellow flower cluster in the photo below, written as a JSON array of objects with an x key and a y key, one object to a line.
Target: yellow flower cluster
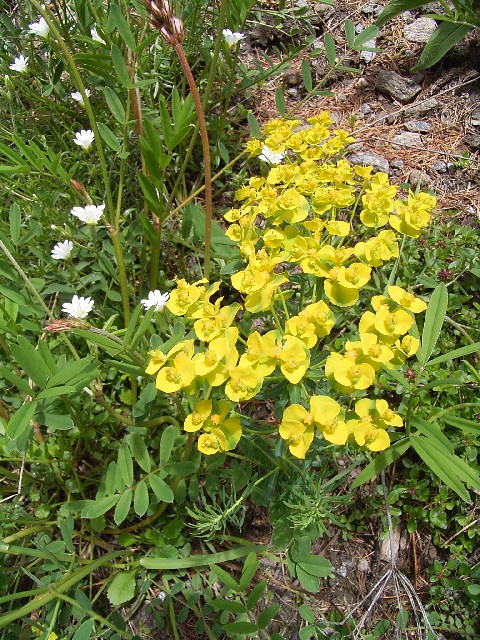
[{"x": 292, "y": 226}]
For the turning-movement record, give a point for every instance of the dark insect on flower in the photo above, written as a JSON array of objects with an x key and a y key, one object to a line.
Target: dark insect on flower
[{"x": 162, "y": 19}]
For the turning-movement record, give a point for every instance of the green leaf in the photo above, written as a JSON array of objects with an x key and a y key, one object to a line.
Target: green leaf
[
  {"x": 109, "y": 137},
  {"x": 123, "y": 507},
  {"x": 116, "y": 20},
  {"x": 114, "y": 104},
  {"x": 201, "y": 560},
  {"x": 249, "y": 570},
  {"x": 64, "y": 390},
  {"x": 20, "y": 383},
  {"x": 166, "y": 443},
  {"x": 233, "y": 606},
  {"x": 55, "y": 422},
  {"x": 308, "y": 582},
  {"x": 300, "y": 549},
  {"x": 330, "y": 49},
  {"x": 432, "y": 430},
  {"x": 349, "y": 32},
  {"x": 439, "y": 464},
  {"x": 456, "y": 353},
  {"x": 266, "y": 615},
  {"x": 381, "y": 462},
  {"x": 30, "y": 361},
  {"x": 441, "y": 41},
  {"x": 255, "y": 594},
  {"x": 253, "y": 124},
  {"x": 139, "y": 451},
  {"x": 84, "y": 631},
  {"x": 316, "y": 566},
  {"x": 470, "y": 426},
  {"x": 306, "y": 613},
  {"x": 21, "y": 420},
  {"x": 307, "y": 75},
  {"x": 280, "y": 101},
  {"x": 161, "y": 489},
  {"x": 13, "y": 295},
  {"x": 241, "y": 627},
  {"x": 120, "y": 66},
  {"x": 141, "y": 500},
  {"x": 434, "y": 317},
  {"x": 96, "y": 508},
  {"x": 15, "y": 223},
  {"x": 225, "y": 577},
  {"x": 396, "y": 7},
  {"x": 125, "y": 465},
  {"x": 122, "y": 588},
  {"x": 365, "y": 36}
]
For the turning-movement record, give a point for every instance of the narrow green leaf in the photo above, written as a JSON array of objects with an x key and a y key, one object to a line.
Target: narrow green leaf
[
  {"x": 349, "y": 32},
  {"x": 141, "y": 499},
  {"x": 330, "y": 49},
  {"x": 253, "y": 124},
  {"x": 145, "y": 323},
  {"x": 441, "y": 41},
  {"x": 267, "y": 615},
  {"x": 123, "y": 507},
  {"x": 161, "y": 489},
  {"x": 74, "y": 370},
  {"x": 307, "y": 75},
  {"x": 432, "y": 430},
  {"x": 20, "y": 383},
  {"x": 233, "y": 606},
  {"x": 122, "y": 588},
  {"x": 365, "y": 36},
  {"x": 115, "y": 105},
  {"x": 140, "y": 452},
  {"x": 109, "y": 137},
  {"x": 116, "y": 20},
  {"x": 201, "y": 560},
  {"x": 102, "y": 341},
  {"x": 434, "y": 317},
  {"x": 120, "y": 66},
  {"x": 96, "y": 508},
  {"x": 255, "y": 594},
  {"x": 21, "y": 419},
  {"x": 381, "y": 462},
  {"x": 241, "y": 627},
  {"x": 84, "y": 631},
  {"x": 437, "y": 463},
  {"x": 13, "y": 295},
  {"x": 280, "y": 101},
  {"x": 125, "y": 465},
  {"x": 166, "y": 443},
  {"x": 225, "y": 577},
  {"x": 395, "y": 7},
  {"x": 456, "y": 353},
  {"x": 470, "y": 426},
  {"x": 15, "y": 218},
  {"x": 30, "y": 361},
  {"x": 64, "y": 390}
]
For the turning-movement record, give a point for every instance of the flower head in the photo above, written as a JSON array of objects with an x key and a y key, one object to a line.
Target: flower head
[
  {"x": 76, "y": 95},
  {"x": 232, "y": 38},
  {"x": 84, "y": 138},
  {"x": 272, "y": 158},
  {"x": 62, "y": 250},
  {"x": 156, "y": 299},
  {"x": 39, "y": 28},
  {"x": 78, "y": 308},
  {"x": 90, "y": 214},
  {"x": 20, "y": 64}
]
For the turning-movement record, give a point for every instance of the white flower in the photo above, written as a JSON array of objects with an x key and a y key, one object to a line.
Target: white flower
[
  {"x": 156, "y": 299},
  {"x": 39, "y": 28},
  {"x": 78, "y": 308},
  {"x": 90, "y": 214},
  {"x": 62, "y": 250},
  {"x": 76, "y": 95},
  {"x": 232, "y": 38},
  {"x": 95, "y": 36},
  {"x": 272, "y": 158},
  {"x": 20, "y": 64},
  {"x": 84, "y": 139}
]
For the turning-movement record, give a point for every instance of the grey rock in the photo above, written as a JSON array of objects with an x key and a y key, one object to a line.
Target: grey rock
[
  {"x": 475, "y": 119},
  {"x": 379, "y": 163},
  {"x": 372, "y": 8},
  {"x": 359, "y": 28},
  {"x": 355, "y": 147},
  {"x": 420, "y": 30},
  {"x": 397, "y": 163},
  {"x": 389, "y": 549},
  {"x": 361, "y": 83},
  {"x": 422, "y": 108},
  {"x": 473, "y": 140},
  {"x": 418, "y": 177},
  {"x": 392, "y": 84},
  {"x": 440, "y": 166},
  {"x": 321, "y": 13},
  {"x": 418, "y": 126},
  {"x": 363, "y": 565},
  {"x": 368, "y": 56},
  {"x": 407, "y": 139},
  {"x": 366, "y": 109}
]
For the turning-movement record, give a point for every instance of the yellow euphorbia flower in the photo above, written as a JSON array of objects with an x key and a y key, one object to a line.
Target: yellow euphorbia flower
[
  {"x": 297, "y": 429},
  {"x": 326, "y": 415},
  {"x": 346, "y": 374},
  {"x": 215, "y": 321},
  {"x": 254, "y": 147},
  {"x": 184, "y": 296},
  {"x": 294, "y": 359},
  {"x": 178, "y": 376},
  {"x": 220, "y": 434},
  {"x": 258, "y": 353},
  {"x": 393, "y": 323},
  {"x": 157, "y": 360},
  {"x": 338, "y": 228},
  {"x": 375, "y": 417},
  {"x": 406, "y": 300},
  {"x": 378, "y": 249},
  {"x": 194, "y": 421},
  {"x": 320, "y": 316},
  {"x": 261, "y": 298},
  {"x": 292, "y": 207},
  {"x": 244, "y": 383},
  {"x": 409, "y": 345},
  {"x": 412, "y": 215},
  {"x": 367, "y": 435},
  {"x": 300, "y": 327},
  {"x": 373, "y": 349}
]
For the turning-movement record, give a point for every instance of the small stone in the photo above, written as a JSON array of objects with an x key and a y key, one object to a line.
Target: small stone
[
  {"x": 397, "y": 163},
  {"x": 407, "y": 139},
  {"x": 475, "y": 119},
  {"x": 392, "y": 84},
  {"x": 420, "y": 109},
  {"x": 440, "y": 166},
  {"x": 420, "y": 30},
  {"x": 293, "y": 77},
  {"x": 389, "y": 549},
  {"x": 361, "y": 83},
  {"x": 379, "y": 163},
  {"x": 366, "y": 109},
  {"x": 369, "y": 8},
  {"x": 355, "y": 147},
  {"x": 418, "y": 177},
  {"x": 418, "y": 126},
  {"x": 473, "y": 140},
  {"x": 363, "y": 565},
  {"x": 368, "y": 56}
]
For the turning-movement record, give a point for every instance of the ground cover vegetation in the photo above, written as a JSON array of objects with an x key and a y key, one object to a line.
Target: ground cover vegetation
[{"x": 223, "y": 345}]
